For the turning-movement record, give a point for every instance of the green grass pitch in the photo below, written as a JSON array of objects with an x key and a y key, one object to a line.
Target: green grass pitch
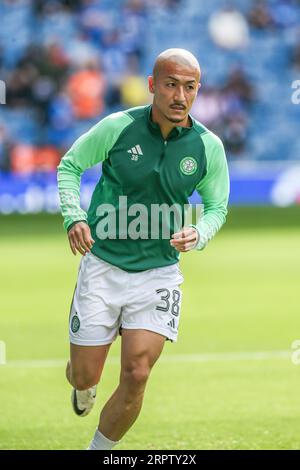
[{"x": 241, "y": 295}]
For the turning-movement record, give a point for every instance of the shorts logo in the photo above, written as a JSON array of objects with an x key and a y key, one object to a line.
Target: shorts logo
[
  {"x": 172, "y": 324},
  {"x": 188, "y": 166},
  {"x": 75, "y": 324}
]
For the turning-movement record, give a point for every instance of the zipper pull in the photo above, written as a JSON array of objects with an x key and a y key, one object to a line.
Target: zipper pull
[{"x": 165, "y": 142}]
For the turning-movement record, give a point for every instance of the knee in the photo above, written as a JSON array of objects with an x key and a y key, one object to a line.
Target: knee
[
  {"x": 84, "y": 379},
  {"x": 135, "y": 377}
]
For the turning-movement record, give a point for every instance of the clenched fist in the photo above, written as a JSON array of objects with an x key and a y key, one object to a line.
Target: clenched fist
[{"x": 185, "y": 240}]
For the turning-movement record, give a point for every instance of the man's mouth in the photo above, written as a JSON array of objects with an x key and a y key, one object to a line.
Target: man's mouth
[{"x": 178, "y": 106}]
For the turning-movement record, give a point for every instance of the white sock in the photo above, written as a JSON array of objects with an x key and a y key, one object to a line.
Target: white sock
[{"x": 101, "y": 442}]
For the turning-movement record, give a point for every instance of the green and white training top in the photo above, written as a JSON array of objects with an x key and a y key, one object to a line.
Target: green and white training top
[{"x": 137, "y": 162}]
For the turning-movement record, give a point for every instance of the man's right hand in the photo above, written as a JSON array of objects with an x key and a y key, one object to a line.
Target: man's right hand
[{"x": 80, "y": 238}]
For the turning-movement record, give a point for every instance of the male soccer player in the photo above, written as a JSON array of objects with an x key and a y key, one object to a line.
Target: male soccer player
[{"x": 129, "y": 282}]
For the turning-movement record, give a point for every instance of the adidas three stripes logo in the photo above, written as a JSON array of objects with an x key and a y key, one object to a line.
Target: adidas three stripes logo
[{"x": 135, "y": 152}]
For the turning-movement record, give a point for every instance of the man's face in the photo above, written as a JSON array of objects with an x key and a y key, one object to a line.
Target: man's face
[{"x": 175, "y": 88}]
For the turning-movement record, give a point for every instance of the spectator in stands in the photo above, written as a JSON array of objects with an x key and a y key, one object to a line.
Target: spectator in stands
[
  {"x": 223, "y": 109},
  {"x": 43, "y": 69},
  {"x": 86, "y": 88},
  {"x": 133, "y": 27},
  {"x": 235, "y": 134},
  {"x": 134, "y": 87},
  {"x": 238, "y": 85},
  {"x": 260, "y": 16},
  {"x": 49, "y": 61},
  {"x": 80, "y": 50},
  {"x": 54, "y": 62},
  {"x": 96, "y": 20},
  {"x": 19, "y": 86},
  {"x": 114, "y": 65}
]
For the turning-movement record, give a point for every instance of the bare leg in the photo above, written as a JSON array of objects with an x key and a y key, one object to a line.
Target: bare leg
[
  {"x": 140, "y": 351},
  {"x": 85, "y": 367}
]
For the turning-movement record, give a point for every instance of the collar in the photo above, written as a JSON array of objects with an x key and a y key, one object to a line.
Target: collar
[{"x": 175, "y": 132}]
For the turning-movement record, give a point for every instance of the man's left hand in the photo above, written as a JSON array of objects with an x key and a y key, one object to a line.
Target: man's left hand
[{"x": 185, "y": 240}]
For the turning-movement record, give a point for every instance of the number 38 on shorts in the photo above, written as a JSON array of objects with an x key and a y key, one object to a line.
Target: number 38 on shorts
[{"x": 169, "y": 303}]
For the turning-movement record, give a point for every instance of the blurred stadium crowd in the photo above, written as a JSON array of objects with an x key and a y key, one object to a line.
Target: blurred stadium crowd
[{"x": 67, "y": 63}]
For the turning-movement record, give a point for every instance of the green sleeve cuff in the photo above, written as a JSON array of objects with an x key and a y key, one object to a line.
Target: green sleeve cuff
[{"x": 201, "y": 244}]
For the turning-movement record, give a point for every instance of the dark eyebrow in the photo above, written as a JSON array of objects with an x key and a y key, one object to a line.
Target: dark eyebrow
[{"x": 176, "y": 79}]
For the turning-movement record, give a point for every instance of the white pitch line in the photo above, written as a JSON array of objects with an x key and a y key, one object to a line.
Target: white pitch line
[{"x": 175, "y": 358}]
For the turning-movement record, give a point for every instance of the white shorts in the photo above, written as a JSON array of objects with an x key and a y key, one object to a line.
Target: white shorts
[{"x": 107, "y": 299}]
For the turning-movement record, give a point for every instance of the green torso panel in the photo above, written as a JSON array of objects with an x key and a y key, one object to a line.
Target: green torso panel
[{"x": 139, "y": 164}]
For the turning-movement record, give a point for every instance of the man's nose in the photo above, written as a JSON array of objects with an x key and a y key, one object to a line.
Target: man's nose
[{"x": 179, "y": 94}]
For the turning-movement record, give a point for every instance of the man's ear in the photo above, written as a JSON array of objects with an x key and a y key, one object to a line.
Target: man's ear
[{"x": 151, "y": 84}]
